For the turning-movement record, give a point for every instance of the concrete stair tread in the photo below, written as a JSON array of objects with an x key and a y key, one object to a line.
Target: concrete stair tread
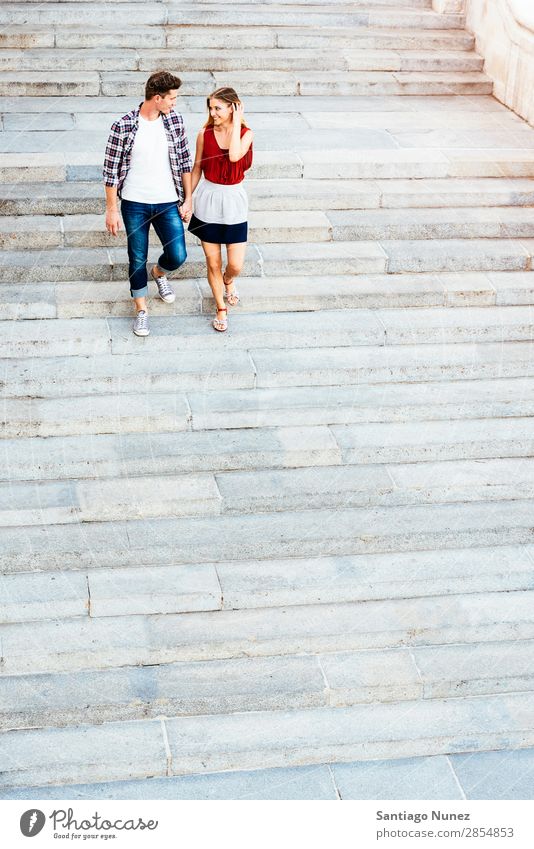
[
  {"x": 314, "y": 405},
  {"x": 231, "y": 491},
  {"x": 337, "y": 679},
  {"x": 280, "y": 58},
  {"x": 331, "y": 258},
  {"x": 266, "y": 15},
  {"x": 284, "y": 294},
  {"x": 262, "y": 536},
  {"x": 220, "y": 450},
  {"x": 263, "y": 370},
  {"x": 72, "y": 36},
  {"x": 335, "y": 164},
  {"x": 252, "y": 82},
  {"x": 331, "y": 404},
  {"x": 502, "y": 774},
  {"x": 81, "y": 337},
  {"x": 484, "y": 105},
  {"x": 62, "y": 199},
  {"x": 266, "y": 739},
  {"x": 251, "y": 584},
  {"x": 292, "y": 226},
  {"x": 113, "y": 640}
]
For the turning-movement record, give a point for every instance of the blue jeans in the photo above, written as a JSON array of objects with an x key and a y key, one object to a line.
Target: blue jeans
[{"x": 168, "y": 225}]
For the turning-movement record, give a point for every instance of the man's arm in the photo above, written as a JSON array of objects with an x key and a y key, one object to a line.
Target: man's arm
[
  {"x": 186, "y": 209},
  {"x": 113, "y": 221},
  {"x": 112, "y": 160}
]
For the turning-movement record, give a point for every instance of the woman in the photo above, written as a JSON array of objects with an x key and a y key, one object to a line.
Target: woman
[{"x": 223, "y": 154}]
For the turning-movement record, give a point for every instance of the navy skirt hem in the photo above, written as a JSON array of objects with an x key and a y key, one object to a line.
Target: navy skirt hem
[{"x": 218, "y": 234}]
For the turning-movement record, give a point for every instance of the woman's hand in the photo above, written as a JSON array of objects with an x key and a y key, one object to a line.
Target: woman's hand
[
  {"x": 186, "y": 210},
  {"x": 237, "y": 115}
]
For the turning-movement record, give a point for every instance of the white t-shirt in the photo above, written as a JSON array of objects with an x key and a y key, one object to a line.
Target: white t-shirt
[{"x": 150, "y": 179}]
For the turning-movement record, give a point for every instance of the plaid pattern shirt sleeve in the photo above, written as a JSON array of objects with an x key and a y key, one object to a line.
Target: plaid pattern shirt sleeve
[
  {"x": 113, "y": 155},
  {"x": 180, "y": 156}
]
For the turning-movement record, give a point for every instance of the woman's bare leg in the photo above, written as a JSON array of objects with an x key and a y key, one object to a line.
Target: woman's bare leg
[
  {"x": 235, "y": 258},
  {"x": 213, "y": 256}
]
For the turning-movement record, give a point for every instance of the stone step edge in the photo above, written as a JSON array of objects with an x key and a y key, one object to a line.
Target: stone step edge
[
  {"x": 412, "y": 682},
  {"x": 454, "y": 289},
  {"x": 179, "y": 745},
  {"x": 74, "y": 591},
  {"x": 58, "y": 163}
]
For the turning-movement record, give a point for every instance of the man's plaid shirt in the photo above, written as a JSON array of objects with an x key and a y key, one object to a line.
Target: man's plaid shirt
[{"x": 120, "y": 143}]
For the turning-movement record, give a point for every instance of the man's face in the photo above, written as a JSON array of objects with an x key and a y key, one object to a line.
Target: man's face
[{"x": 166, "y": 102}]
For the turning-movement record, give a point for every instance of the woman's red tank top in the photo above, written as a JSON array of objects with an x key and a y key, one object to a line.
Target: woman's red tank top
[{"x": 216, "y": 163}]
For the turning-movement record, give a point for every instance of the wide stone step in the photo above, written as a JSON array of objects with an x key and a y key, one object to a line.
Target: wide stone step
[
  {"x": 60, "y": 134},
  {"x": 82, "y": 337},
  {"x": 336, "y": 164},
  {"x": 385, "y": 402},
  {"x": 269, "y": 82},
  {"x": 219, "y": 450},
  {"x": 64, "y": 14},
  {"x": 505, "y": 773},
  {"x": 331, "y": 16},
  {"x": 339, "y": 679},
  {"x": 237, "y": 585},
  {"x": 283, "y": 294},
  {"x": 55, "y": 84},
  {"x": 121, "y": 374},
  {"x": 251, "y": 83},
  {"x": 482, "y": 105},
  {"x": 87, "y": 231},
  {"x": 431, "y": 224},
  {"x": 282, "y": 260},
  {"x": 348, "y": 366},
  {"x": 280, "y": 58},
  {"x": 353, "y": 4},
  {"x": 259, "y": 490},
  {"x": 263, "y": 536},
  {"x": 293, "y": 489},
  {"x": 195, "y": 38},
  {"x": 76, "y": 198},
  {"x": 313, "y": 405},
  {"x": 180, "y": 453},
  {"x": 65, "y": 83},
  {"x": 112, "y": 640},
  {"x": 372, "y": 38},
  {"x": 100, "y": 264},
  {"x": 188, "y": 745},
  {"x": 72, "y": 198}
]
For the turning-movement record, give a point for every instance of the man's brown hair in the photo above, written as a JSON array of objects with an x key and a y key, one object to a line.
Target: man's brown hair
[{"x": 160, "y": 83}]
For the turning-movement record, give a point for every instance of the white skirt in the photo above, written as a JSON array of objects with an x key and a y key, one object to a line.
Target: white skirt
[{"x": 215, "y": 203}]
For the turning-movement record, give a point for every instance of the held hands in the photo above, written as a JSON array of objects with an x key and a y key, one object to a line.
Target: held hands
[
  {"x": 113, "y": 221},
  {"x": 186, "y": 210}
]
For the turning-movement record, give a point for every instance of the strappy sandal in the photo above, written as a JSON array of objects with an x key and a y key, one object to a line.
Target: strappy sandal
[
  {"x": 230, "y": 297},
  {"x": 221, "y": 324}
]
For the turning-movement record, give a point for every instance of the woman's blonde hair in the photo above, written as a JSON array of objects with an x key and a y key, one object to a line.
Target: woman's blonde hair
[{"x": 227, "y": 95}]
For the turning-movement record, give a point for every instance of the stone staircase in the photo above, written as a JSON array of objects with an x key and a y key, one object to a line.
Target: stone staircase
[{"x": 308, "y": 541}]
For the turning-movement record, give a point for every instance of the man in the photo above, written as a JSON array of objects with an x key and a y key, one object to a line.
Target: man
[{"x": 148, "y": 165}]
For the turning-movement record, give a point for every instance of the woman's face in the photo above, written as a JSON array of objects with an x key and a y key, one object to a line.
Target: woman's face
[{"x": 219, "y": 110}]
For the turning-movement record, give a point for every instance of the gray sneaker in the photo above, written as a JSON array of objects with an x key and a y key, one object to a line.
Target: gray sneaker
[
  {"x": 140, "y": 325},
  {"x": 165, "y": 290}
]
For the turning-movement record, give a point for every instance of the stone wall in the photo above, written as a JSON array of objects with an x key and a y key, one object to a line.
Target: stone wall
[{"x": 504, "y": 31}]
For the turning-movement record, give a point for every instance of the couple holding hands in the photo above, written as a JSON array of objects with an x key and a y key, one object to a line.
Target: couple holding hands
[{"x": 148, "y": 166}]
